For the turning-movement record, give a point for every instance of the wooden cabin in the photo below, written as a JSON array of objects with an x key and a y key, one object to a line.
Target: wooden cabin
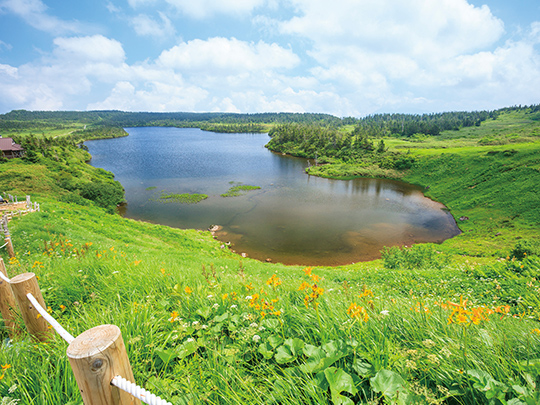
[{"x": 9, "y": 149}]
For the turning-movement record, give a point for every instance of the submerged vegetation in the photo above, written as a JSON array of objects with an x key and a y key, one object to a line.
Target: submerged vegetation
[{"x": 455, "y": 323}]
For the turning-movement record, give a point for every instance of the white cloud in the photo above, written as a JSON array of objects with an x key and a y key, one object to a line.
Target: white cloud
[
  {"x": 227, "y": 55},
  {"x": 34, "y": 12},
  {"x": 158, "y": 96},
  {"x": 346, "y": 58},
  {"x": 5, "y": 45},
  {"x": 146, "y": 26},
  {"x": 206, "y": 8},
  {"x": 139, "y": 3},
  {"x": 8, "y": 71},
  {"x": 415, "y": 27},
  {"x": 96, "y": 48}
]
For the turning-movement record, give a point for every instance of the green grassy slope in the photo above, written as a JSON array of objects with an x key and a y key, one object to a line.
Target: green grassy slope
[{"x": 455, "y": 324}]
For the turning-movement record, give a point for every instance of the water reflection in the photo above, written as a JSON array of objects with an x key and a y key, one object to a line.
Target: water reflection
[{"x": 294, "y": 218}]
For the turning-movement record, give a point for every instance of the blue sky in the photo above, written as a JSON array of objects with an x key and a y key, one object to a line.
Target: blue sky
[{"x": 345, "y": 57}]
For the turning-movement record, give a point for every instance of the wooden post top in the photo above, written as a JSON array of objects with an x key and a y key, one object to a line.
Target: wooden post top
[
  {"x": 21, "y": 278},
  {"x": 94, "y": 341}
]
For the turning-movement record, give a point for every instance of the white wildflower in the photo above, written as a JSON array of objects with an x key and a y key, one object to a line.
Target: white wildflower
[
  {"x": 249, "y": 297},
  {"x": 256, "y": 338},
  {"x": 385, "y": 312},
  {"x": 253, "y": 325},
  {"x": 216, "y": 305},
  {"x": 428, "y": 343},
  {"x": 234, "y": 306}
]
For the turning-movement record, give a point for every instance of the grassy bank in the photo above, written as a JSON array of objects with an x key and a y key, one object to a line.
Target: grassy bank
[
  {"x": 420, "y": 329},
  {"x": 456, "y": 323}
]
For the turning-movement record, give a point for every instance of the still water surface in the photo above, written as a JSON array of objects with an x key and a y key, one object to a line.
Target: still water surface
[{"x": 294, "y": 218}]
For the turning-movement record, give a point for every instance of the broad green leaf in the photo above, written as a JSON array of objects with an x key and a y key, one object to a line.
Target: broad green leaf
[
  {"x": 337, "y": 348},
  {"x": 321, "y": 381},
  {"x": 266, "y": 350},
  {"x": 295, "y": 345},
  {"x": 222, "y": 317},
  {"x": 389, "y": 383},
  {"x": 314, "y": 363},
  {"x": 310, "y": 351},
  {"x": 485, "y": 382},
  {"x": 165, "y": 355},
  {"x": 270, "y": 324},
  {"x": 363, "y": 368},
  {"x": 284, "y": 354},
  {"x": 340, "y": 381},
  {"x": 187, "y": 348},
  {"x": 275, "y": 341},
  {"x": 204, "y": 312}
]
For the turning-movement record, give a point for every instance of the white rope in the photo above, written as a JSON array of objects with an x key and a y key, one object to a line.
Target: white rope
[
  {"x": 57, "y": 327},
  {"x": 3, "y": 277},
  {"x": 137, "y": 392},
  {"x": 4, "y": 245}
]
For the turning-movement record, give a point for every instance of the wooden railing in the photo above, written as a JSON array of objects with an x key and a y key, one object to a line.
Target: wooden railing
[{"x": 98, "y": 356}]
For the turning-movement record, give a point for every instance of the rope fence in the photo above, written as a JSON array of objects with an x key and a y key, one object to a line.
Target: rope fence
[{"x": 98, "y": 356}]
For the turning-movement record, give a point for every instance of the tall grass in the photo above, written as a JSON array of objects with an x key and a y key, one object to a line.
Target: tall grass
[{"x": 201, "y": 326}]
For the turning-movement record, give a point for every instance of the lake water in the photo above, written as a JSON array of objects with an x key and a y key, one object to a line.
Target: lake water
[{"x": 293, "y": 219}]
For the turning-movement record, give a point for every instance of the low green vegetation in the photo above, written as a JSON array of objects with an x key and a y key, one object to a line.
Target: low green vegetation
[
  {"x": 453, "y": 323},
  {"x": 238, "y": 190},
  {"x": 185, "y": 198},
  {"x": 57, "y": 167}
]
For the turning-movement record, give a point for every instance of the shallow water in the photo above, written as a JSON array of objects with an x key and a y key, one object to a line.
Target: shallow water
[{"x": 294, "y": 218}]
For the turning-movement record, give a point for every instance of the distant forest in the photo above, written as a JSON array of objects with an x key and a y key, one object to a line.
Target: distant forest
[{"x": 99, "y": 123}]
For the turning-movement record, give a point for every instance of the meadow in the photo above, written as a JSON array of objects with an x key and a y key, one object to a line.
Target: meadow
[{"x": 455, "y": 323}]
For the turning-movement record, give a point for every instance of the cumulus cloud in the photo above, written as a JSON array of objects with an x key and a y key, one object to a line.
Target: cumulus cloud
[
  {"x": 227, "y": 55},
  {"x": 415, "y": 27},
  {"x": 157, "y": 96},
  {"x": 206, "y": 8},
  {"x": 90, "y": 48},
  {"x": 349, "y": 57},
  {"x": 34, "y": 13},
  {"x": 146, "y": 26}
]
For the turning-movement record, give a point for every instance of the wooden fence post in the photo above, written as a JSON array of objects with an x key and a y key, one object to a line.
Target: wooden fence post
[
  {"x": 9, "y": 244},
  {"x": 36, "y": 325},
  {"x": 7, "y": 302},
  {"x": 96, "y": 357},
  {"x": 9, "y": 247}
]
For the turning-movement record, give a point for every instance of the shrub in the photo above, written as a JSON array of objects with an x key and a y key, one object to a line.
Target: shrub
[
  {"x": 106, "y": 195},
  {"x": 525, "y": 247},
  {"x": 403, "y": 163}
]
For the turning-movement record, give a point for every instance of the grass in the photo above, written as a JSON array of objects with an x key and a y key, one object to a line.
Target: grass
[
  {"x": 456, "y": 323},
  {"x": 185, "y": 198},
  {"x": 238, "y": 190},
  {"x": 292, "y": 335}
]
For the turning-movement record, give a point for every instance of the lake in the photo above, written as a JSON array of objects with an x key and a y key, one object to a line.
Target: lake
[{"x": 293, "y": 218}]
